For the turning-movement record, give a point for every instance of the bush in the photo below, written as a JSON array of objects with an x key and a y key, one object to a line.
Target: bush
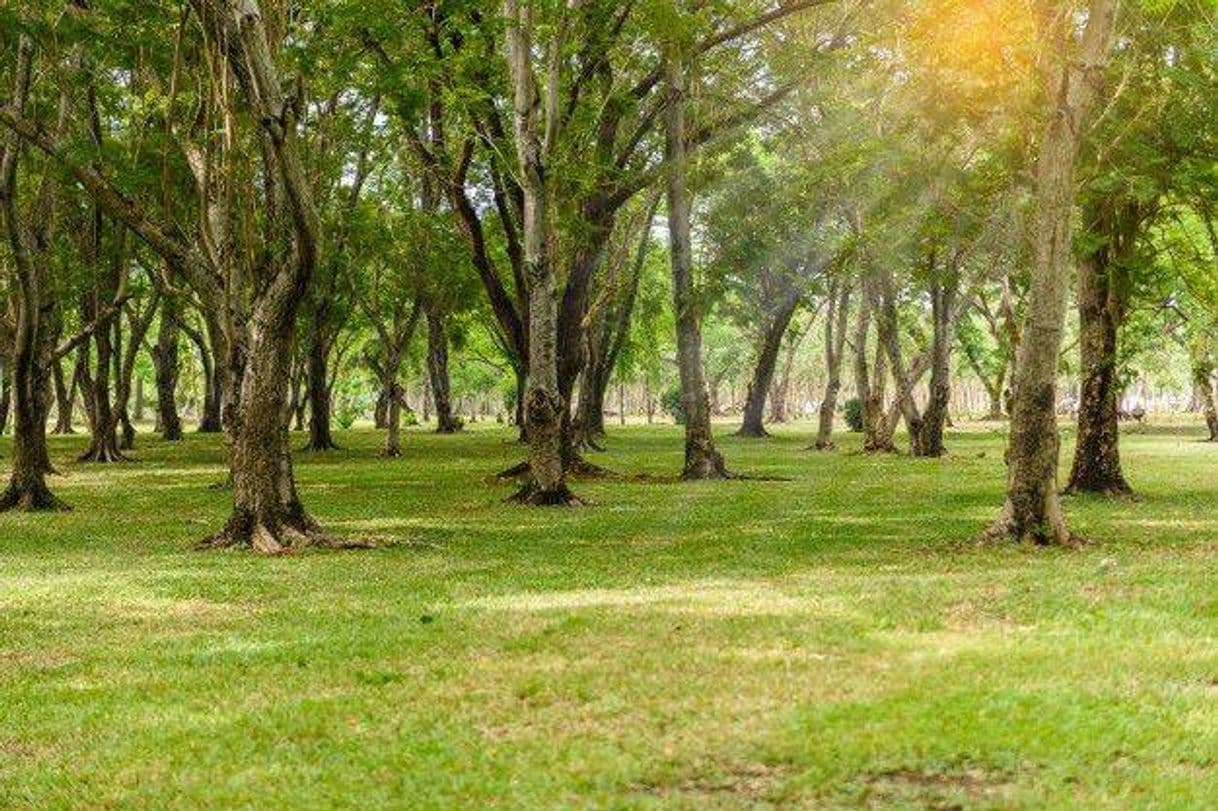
[
  {"x": 670, "y": 401},
  {"x": 853, "y": 412}
]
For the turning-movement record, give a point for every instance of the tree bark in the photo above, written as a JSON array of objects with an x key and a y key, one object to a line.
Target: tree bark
[
  {"x": 6, "y": 395},
  {"x": 943, "y": 291},
  {"x": 835, "y": 346},
  {"x": 65, "y": 394},
  {"x": 752, "y": 423},
  {"x": 543, "y": 406},
  {"x": 317, "y": 379},
  {"x": 1032, "y": 511},
  {"x": 702, "y": 460},
  {"x": 1207, "y": 397},
  {"x": 1102, "y": 296},
  {"x": 167, "y": 366},
  {"x": 437, "y": 370},
  {"x": 870, "y": 381},
  {"x": 31, "y": 356}
]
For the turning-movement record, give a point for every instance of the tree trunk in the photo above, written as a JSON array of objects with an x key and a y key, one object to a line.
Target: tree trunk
[
  {"x": 6, "y": 396},
  {"x": 543, "y": 406},
  {"x": 103, "y": 445},
  {"x": 64, "y": 396},
  {"x": 1207, "y": 397},
  {"x": 702, "y": 460},
  {"x": 592, "y": 393},
  {"x": 943, "y": 311},
  {"x": 437, "y": 370},
  {"x": 888, "y": 334},
  {"x": 32, "y": 352},
  {"x": 318, "y": 382},
  {"x": 870, "y": 382},
  {"x": 835, "y": 346},
  {"x": 1032, "y": 511},
  {"x": 167, "y": 368},
  {"x": 1102, "y": 292},
  {"x": 752, "y": 424}
]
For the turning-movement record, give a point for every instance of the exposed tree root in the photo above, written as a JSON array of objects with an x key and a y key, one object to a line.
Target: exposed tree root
[
  {"x": 320, "y": 447},
  {"x": 533, "y": 496},
  {"x": 1120, "y": 491},
  {"x": 103, "y": 453},
  {"x": 31, "y": 498},
  {"x": 579, "y": 468},
  {"x": 707, "y": 465},
  {"x": 582, "y": 468},
  {"x": 515, "y": 471},
  {"x": 275, "y": 535},
  {"x": 753, "y": 433},
  {"x": 1007, "y": 532}
]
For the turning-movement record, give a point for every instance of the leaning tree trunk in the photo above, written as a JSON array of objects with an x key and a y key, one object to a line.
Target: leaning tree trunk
[
  {"x": 752, "y": 424},
  {"x": 65, "y": 393},
  {"x": 167, "y": 367},
  {"x": 1097, "y": 455},
  {"x": 1032, "y": 511},
  {"x": 702, "y": 460},
  {"x": 943, "y": 309},
  {"x": 835, "y": 349},
  {"x": 32, "y": 355},
  {"x": 267, "y": 513},
  {"x": 437, "y": 370}
]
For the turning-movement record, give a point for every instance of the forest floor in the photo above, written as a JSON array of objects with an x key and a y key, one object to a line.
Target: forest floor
[{"x": 829, "y": 641}]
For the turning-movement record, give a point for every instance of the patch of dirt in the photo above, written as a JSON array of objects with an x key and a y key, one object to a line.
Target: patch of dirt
[
  {"x": 936, "y": 790},
  {"x": 751, "y": 783}
]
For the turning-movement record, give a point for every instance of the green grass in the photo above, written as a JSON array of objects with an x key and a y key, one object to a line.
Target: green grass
[{"x": 828, "y": 641}]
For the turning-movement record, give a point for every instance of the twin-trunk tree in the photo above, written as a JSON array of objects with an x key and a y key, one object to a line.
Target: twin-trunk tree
[{"x": 1033, "y": 511}]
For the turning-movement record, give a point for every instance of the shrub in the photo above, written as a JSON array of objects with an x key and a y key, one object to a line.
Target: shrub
[
  {"x": 853, "y": 412},
  {"x": 670, "y": 401}
]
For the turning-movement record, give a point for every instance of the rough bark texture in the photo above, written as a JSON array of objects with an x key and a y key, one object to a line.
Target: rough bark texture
[
  {"x": 835, "y": 350},
  {"x": 752, "y": 422},
  {"x": 543, "y": 403},
  {"x": 267, "y": 514},
  {"x": 943, "y": 290},
  {"x": 702, "y": 460},
  {"x": 1032, "y": 511},
  {"x": 1102, "y": 301},
  {"x": 437, "y": 370},
  {"x": 32, "y": 351}
]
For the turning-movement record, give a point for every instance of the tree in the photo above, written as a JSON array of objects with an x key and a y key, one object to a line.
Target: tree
[{"x": 1032, "y": 511}]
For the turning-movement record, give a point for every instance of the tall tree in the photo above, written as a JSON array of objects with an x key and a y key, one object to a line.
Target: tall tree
[{"x": 1032, "y": 511}]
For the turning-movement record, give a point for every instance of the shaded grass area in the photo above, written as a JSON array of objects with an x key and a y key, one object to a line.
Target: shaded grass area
[{"x": 828, "y": 641}]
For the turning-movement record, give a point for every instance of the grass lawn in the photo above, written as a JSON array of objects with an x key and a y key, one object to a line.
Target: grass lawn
[{"x": 828, "y": 641}]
